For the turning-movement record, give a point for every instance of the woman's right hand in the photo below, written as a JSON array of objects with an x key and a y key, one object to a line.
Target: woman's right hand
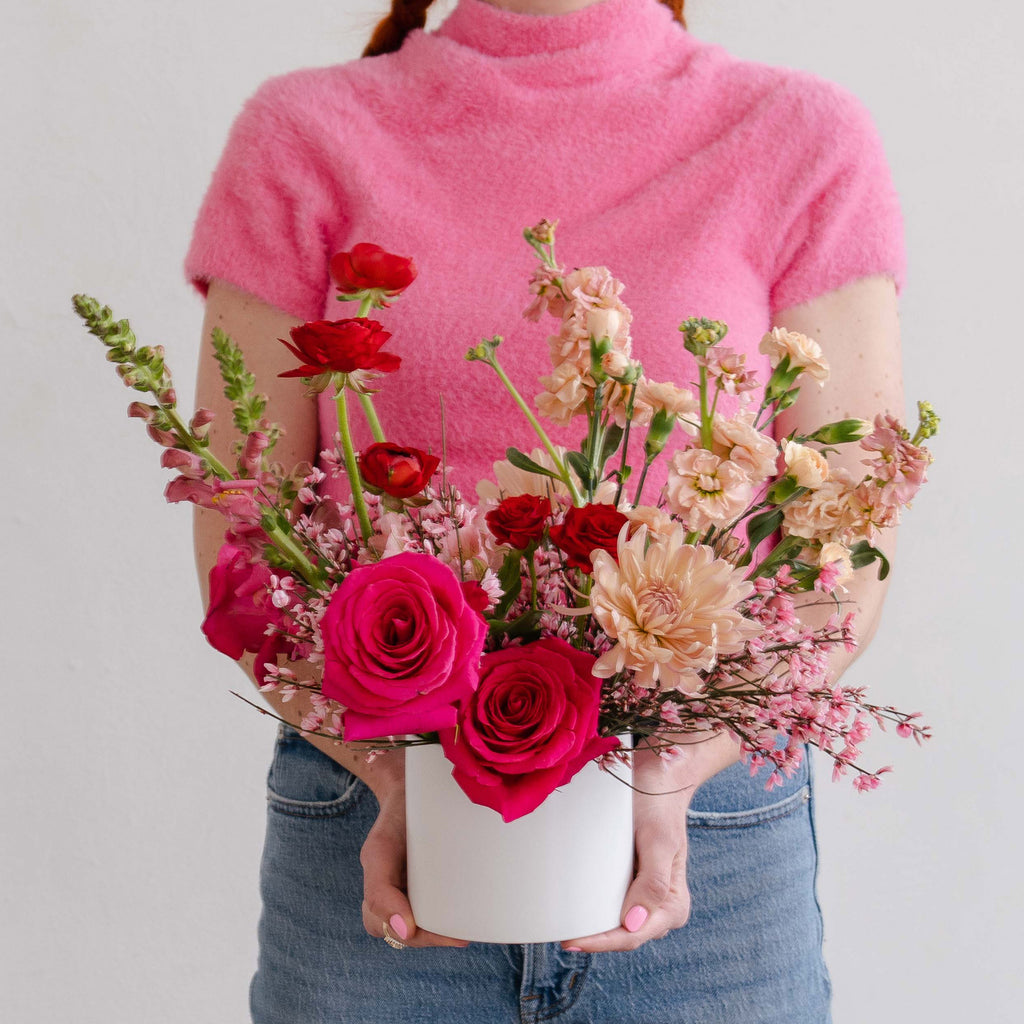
[{"x": 383, "y": 860}]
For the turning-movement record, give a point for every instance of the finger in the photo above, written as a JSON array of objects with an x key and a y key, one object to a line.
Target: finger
[
  {"x": 657, "y": 926},
  {"x": 384, "y": 898}
]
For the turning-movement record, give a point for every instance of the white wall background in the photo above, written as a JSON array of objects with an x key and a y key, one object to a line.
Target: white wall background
[{"x": 132, "y": 803}]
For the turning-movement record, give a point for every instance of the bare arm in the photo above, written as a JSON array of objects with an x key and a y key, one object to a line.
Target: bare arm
[
  {"x": 858, "y": 329},
  {"x": 255, "y": 327}
]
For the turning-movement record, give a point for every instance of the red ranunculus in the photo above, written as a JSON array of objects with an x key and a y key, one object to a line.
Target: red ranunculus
[
  {"x": 529, "y": 727},
  {"x": 519, "y": 521},
  {"x": 401, "y": 647},
  {"x": 240, "y": 608},
  {"x": 586, "y": 529},
  {"x": 400, "y": 472},
  {"x": 368, "y": 267},
  {"x": 340, "y": 346}
]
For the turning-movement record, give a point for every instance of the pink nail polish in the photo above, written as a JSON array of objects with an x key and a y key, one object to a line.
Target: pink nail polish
[
  {"x": 635, "y": 919},
  {"x": 573, "y": 949},
  {"x": 397, "y": 923}
]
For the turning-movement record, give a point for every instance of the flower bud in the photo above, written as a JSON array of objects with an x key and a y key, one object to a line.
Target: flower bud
[
  {"x": 542, "y": 233},
  {"x": 842, "y": 431},
  {"x": 141, "y": 411},
  {"x": 166, "y": 438},
  {"x": 188, "y": 464},
  {"x": 659, "y": 432},
  {"x": 200, "y": 422},
  {"x": 615, "y": 363},
  {"x": 700, "y": 334},
  {"x": 808, "y": 467},
  {"x": 602, "y": 322}
]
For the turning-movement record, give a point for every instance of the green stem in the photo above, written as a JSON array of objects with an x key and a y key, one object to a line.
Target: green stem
[
  {"x": 366, "y": 401},
  {"x": 352, "y": 468},
  {"x": 285, "y": 543},
  {"x": 595, "y": 440},
  {"x": 365, "y": 306},
  {"x": 625, "y": 443},
  {"x": 643, "y": 477},
  {"x": 705, "y": 419},
  {"x": 533, "y": 576},
  {"x": 217, "y": 467},
  {"x": 563, "y": 473}
]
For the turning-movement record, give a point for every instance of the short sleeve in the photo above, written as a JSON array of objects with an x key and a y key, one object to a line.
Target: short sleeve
[
  {"x": 262, "y": 225},
  {"x": 841, "y": 217}
]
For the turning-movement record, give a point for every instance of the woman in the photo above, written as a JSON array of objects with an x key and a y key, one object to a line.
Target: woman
[{"x": 711, "y": 186}]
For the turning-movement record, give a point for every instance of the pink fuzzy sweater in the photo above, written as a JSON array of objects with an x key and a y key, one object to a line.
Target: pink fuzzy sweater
[{"x": 712, "y": 186}]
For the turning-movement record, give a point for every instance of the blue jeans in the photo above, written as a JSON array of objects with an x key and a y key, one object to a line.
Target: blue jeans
[{"x": 750, "y": 953}]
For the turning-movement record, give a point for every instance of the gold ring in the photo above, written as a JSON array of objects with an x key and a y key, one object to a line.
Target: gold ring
[{"x": 391, "y": 940}]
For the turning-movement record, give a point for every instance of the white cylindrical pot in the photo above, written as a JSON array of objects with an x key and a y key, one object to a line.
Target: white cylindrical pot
[{"x": 560, "y": 872}]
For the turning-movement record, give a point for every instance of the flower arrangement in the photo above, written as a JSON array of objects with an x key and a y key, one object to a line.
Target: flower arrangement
[{"x": 527, "y": 631}]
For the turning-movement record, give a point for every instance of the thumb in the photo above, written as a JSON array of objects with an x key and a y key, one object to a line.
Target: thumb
[
  {"x": 384, "y": 899},
  {"x": 657, "y": 879}
]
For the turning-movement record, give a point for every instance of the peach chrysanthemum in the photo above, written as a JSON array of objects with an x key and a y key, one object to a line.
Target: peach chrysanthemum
[{"x": 669, "y": 607}]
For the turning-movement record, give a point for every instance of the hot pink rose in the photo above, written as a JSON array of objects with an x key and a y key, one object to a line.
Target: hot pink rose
[
  {"x": 240, "y": 608},
  {"x": 401, "y": 647},
  {"x": 529, "y": 728}
]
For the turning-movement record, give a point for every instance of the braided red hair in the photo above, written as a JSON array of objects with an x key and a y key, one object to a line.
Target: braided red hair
[{"x": 406, "y": 15}]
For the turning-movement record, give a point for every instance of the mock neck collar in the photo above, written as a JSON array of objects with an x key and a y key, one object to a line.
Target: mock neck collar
[{"x": 603, "y": 38}]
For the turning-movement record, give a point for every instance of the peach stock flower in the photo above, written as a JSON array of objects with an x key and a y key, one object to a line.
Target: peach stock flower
[
  {"x": 802, "y": 351},
  {"x": 564, "y": 395},
  {"x": 670, "y": 608},
  {"x": 824, "y": 513},
  {"x": 833, "y": 552},
  {"x": 705, "y": 490},
  {"x": 735, "y": 438},
  {"x": 652, "y": 396}
]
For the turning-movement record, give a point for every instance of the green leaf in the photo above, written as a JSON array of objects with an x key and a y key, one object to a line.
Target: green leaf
[
  {"x": 612, "y": 439},
  {"x": 783, "y": 489},
  {"x": 522, "y": 461},
  {"x": 581, "y": 466},
  {"x": 783, "y": 553},
  {"x": 863, "y": 554},
  {"x": 510, "y": 577},
  {"x": 526, "y": 627},
  {"x": 758, "y": 528}
]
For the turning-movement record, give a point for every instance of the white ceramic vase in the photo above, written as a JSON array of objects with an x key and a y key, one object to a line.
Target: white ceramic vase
[{"x": 558, "y": 873}]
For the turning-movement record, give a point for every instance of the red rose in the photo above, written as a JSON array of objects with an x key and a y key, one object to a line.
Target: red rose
[
  {"x": 519, "y": 521},
  {"x": 368, "y": 267},
  {"x": 586, "y": 529},
  {"x": 400, "y": 472},
  {"x": 529, "y": 727},
  {"x": 340, "y": 346},
  {"x": 240, "y": 608}
]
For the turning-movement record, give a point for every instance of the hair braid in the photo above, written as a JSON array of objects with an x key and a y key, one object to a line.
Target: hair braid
[
  {"x": 389, "y": 34},
  {"x": 406, "y": 15}
]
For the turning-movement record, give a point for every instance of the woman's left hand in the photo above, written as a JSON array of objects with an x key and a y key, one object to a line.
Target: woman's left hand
[{"x": 658, "y": 900}]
